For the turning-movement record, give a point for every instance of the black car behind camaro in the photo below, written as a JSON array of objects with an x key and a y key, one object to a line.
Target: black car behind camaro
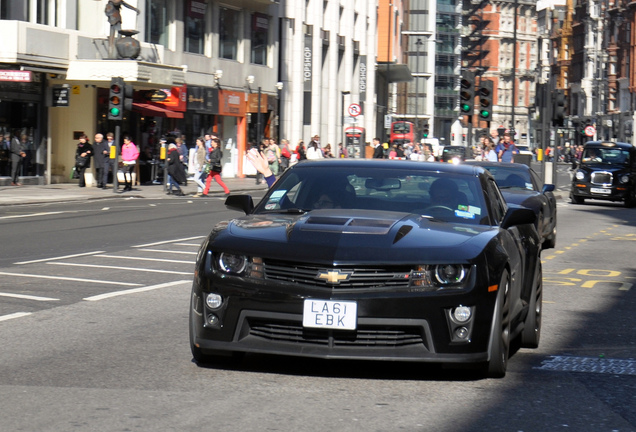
[{"x": 371, "y": 259}]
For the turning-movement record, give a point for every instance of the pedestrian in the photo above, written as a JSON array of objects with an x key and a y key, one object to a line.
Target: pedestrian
[
  {"x": 489, "y": 153},
  {"x": 17, "y": 157},
  {"x": 129, "y": 156},
  {"x": 301, "y": 154},
  {"x": 285, "y": 155},
  {"x": 378, "y": 150},
  {"x": 110, "y": 140},
  {"x": 273, "y": 156},
  {"x": 342, "y": 151},
  {"x": 83, "y": 155},
  {"x": 5, "y": 154},
  {"x": 200, "y": 173},
  {"x": 314, "y": 151},
  {"x": 507, "y": 149},
  {"x": 327, "y": 152},
  {"x": 102, "y": 160},
  {"x": 216, "y": 166},
  {"x": 176, "y": 173}
]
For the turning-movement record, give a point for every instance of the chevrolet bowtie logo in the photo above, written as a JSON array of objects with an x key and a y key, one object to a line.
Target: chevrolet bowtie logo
[{"x": 333, "y": 277}]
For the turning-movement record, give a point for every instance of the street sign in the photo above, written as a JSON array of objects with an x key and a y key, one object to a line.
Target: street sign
[
  {"x": 590, "y": 131},
  {"x": 354, "y": 110}
]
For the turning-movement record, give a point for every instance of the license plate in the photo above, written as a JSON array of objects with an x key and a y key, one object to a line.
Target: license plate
[
  {"x": 341, "y": 315},
  {"x": 601, "y": 191}
]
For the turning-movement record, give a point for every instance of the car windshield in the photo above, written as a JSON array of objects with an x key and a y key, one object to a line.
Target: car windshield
[
  {"x": 447, "y": 196},
  {"x": 511, "y": 178},
  {"x": 609, "y": 156},
  {"x": 455, "y": 150}
]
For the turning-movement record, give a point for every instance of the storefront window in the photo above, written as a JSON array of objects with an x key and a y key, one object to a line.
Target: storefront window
[
  {"x": 260, "y": 27},
  {"x": 157, "y": 22},
  {"x": 228, "y": 33},
  {"x": 195, "y": 26}
]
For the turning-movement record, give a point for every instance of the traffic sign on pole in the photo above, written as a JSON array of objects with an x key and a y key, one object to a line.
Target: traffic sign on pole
[{"x": 354, "y": 110}]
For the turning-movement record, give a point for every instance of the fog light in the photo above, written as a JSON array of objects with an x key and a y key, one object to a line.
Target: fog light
[
  {"x": 461, "y": 333},
  {"x": 213, "y": 301},
  {"x": 462, "y": 314},
  {"x": 212, "y": 320}
]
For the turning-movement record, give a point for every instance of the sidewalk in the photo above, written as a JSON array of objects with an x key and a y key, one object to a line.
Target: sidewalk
[{"x": 65, "y": 192}]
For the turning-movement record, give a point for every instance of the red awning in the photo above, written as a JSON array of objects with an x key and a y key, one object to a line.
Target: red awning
[{"x": 155, "y": 111}]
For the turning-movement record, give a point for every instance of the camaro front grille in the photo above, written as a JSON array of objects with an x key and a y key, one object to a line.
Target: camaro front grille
[
  {"x": 363, "y": 337},
  {"x": 601, "y": 177},
  {"x": 337, "y": 277}
]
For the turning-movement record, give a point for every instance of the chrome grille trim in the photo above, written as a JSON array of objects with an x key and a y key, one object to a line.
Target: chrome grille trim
[
  {"x": 359, "y": 277},
  {"x": 602, "y": 178}
]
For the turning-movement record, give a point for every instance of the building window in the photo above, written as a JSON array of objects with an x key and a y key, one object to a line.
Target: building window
[
  {"x": 228, "y": 33},
  {"x": 260, "y": 32},
  {"x": 14, "y": 10},
  {"x": 157, "y": 22},
  {"x": 195, "y": 26}
]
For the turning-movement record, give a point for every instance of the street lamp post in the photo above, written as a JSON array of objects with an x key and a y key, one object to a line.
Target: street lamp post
[
  {"x": 342, "y": 98},
  {"x": 279, "y": 87},
  {"x": 418, "y": 44}
]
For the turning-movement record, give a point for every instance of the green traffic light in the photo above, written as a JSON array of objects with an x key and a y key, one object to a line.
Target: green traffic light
[
  {"x": 465, "y": 107},
  {"x": 114, "y": 112},
  {"x": 484, "y": 113}
]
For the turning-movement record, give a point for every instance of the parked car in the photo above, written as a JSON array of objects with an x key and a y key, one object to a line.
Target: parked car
[
  {"x": 370, "y": 259},
  {"x": 454, "y": 154},
  {"x": 521, "y": 185},
  {"x": 606, "y": 171}
]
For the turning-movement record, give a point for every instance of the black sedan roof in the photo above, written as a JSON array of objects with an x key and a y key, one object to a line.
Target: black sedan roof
[{"x": 609, "y": 144}]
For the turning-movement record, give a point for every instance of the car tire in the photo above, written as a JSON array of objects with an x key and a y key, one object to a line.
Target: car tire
[
  {"x": 549, "y": 242},
  {"x": 531, "y": 333},
  {"x": 500, "y": 334},
  {"x": 576, "y": 199},
  {"x": 630, "y": 201}
]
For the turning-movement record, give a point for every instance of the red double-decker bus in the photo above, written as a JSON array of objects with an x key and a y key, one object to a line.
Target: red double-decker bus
[{"x": 402, "y": 131}]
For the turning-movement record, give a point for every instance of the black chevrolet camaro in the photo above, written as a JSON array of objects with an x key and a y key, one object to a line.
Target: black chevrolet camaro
[{"x": 371, "y": 259}]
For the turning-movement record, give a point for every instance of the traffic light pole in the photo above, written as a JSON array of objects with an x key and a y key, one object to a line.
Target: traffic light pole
[{"x": 116, "y": 160}]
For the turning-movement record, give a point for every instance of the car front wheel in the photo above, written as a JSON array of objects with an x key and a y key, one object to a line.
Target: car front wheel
[
  {"x": 500, "y": 335},
  {"x": 532, "y": 327}
]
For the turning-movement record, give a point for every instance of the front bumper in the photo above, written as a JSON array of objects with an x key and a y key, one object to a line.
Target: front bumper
[
  {"x": 592, "y": 191},
  {"x": 390, "y": 326}
]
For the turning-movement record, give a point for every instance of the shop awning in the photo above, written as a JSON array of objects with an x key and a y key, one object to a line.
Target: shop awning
[{"x": 155, "y": 111}]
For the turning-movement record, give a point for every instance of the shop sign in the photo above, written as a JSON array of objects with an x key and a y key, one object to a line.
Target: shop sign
[
  {"x": 252, "y": 103},
  {"x": 61, "y": 97},
  {"x": 203, "y": 99},
  {"x": 16, "y": 76},
  {"x": 173, "y": 99},
  {"x": 231, "y": 103}
]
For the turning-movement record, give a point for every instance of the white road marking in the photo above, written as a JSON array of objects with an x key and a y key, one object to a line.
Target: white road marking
[
  {"x": 27, "y": 297},
  {"x": 188, "y": 244},
  {"x": 101, "y": 266},
  {"x": 136, "y": 290},
  {"x": 69, "y": 279},
  {"x": 145, "y": 259},
  {"x": 168, "y": 251},
  {"x": 31, "y": 215},
  {"x": 59, "y": 258},
  {"x": 167, "y": 241},
  {"x": 14, "y": 315}
]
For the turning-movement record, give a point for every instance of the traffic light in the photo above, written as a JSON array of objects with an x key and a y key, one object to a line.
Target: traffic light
[
  {"x": 425, "y": 131},
  {"x": 558, "y": 107},
  {"x": 128, "y": 97},
  {"x": 467, "y": 93},
  {"x": 116, "y": 99},
  {"x": 485, "y": 94}
]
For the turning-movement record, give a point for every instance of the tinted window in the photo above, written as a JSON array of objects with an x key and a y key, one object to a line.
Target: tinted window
[{"x": 447, "y": 196}]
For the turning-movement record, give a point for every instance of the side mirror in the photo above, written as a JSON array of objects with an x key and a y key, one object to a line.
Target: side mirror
[
  {"x": 547, "y": 188},
  {"x": 518, "y": 216},
  {"x": 242, "y": 203}
]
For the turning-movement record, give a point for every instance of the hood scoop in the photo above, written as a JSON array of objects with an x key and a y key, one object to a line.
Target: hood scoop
[{"x": 348, "y": 225}]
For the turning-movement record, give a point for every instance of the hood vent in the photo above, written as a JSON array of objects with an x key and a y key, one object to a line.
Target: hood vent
[{"x": 348, "y": 225}]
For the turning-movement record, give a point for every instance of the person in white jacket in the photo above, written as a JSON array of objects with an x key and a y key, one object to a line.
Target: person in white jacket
[{"x": 314, "y": 152}]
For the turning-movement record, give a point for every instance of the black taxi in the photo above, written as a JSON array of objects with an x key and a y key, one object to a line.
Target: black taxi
[{"x": 606, "y": 171}]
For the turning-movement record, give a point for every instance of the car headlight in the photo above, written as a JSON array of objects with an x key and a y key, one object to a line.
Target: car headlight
[
  {"x": 449, "y": 273},
  {"x": 580, "y": 175},
  {"x": 240, "y": 265},
  {"x": 624, "y": 178},
  {"x": 439, "y": 276},
  {"x": 231, "y": 263}
]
